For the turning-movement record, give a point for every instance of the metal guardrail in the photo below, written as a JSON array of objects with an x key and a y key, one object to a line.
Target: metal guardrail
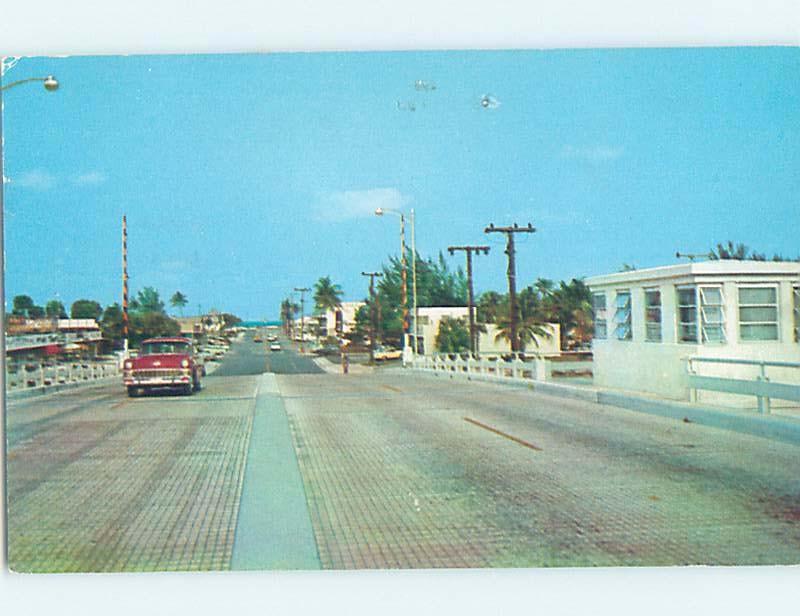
[
  {"x": 761, "y": 387},
  {"x": 46, "y": 376}
]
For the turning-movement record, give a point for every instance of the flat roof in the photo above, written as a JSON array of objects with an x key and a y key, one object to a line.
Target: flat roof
[{"x": 723, "y": 267}]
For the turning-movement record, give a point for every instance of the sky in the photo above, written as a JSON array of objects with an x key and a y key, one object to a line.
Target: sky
[{"x": 245, "y": 176}]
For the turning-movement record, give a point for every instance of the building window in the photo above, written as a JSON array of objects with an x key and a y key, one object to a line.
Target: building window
[
  {"x": 712, "y": 309},
  {"x": 599, "y": 313},
  {"x": 796, "y": 293},
  {"x": 758, "y": 313},
  {"x": 687, "y": 314},
  {"x": 710, "y": 327},
  {"x": 622, "y": 316},
  {"x": 652, "y": 315}
]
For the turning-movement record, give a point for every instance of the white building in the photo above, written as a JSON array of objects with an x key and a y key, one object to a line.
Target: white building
[
  {"x": 430, "y": 317},
  {"x": 328, "y": 324},
  {"x": 647, "y": 322}
]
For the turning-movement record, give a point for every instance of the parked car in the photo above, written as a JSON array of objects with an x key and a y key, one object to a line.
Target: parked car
[
  {"x": 386, "y": 353},
  {"x": 275, "y": 346}
]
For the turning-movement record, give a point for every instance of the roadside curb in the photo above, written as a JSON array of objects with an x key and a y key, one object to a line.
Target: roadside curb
[{"x": 772, "y": 427}]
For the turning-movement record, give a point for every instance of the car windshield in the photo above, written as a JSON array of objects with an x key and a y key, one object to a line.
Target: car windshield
[{"x": 155, "y": 348}]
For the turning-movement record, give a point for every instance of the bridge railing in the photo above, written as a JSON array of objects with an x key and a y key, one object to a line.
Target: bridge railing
[
  {"x": 532, "y": 368},
  {"x": 26, "y": 376},
  {"x": 760, "y": 382}
]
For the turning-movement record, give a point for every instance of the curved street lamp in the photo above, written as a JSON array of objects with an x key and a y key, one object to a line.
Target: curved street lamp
[
  {"x": 50, "y": 83},
  {"x": 385, "y": 210}
]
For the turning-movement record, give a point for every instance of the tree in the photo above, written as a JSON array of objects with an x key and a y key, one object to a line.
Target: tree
[
  {"x": 288, "y": 312},
  {"x": 436, "y": 286},
  {"x": 55, "y": 309},
  {"x": 85, "y": 309},
  {"x": 229, "y": 320},
  {"x": 151, "y": 325},
  {"x": 36, "y": 312},
  {"x": 488, "y": 306},
  {"x": 327, "y": 296},
  {"x": 148, "y": 300},
  {"x": 178, "y": 300},
  {"x": 453, "y": 335},
  {"x": 529, "y": 329},
  {"x": 740, "y": 252},
  {"x": 111, "y": 323},
  {"x": 21, "y": 304}
]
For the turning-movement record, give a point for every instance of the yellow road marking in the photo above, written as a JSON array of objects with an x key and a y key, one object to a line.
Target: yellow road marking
[{"x": 503, "y": 434}]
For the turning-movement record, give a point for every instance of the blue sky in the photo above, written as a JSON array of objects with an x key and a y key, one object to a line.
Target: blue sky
[{"x": 243, "y": 176}]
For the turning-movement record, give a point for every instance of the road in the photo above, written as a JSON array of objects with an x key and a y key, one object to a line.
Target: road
[
  {"x": 248, "y": 358},
  {"x": 383, "y": 470}
]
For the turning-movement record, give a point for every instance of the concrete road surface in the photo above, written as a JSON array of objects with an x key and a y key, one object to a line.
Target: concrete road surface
[{"x": 390, "y": 469}]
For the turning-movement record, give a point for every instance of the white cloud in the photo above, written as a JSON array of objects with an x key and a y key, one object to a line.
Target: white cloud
[
  {"x": 36, "y": 179},
  {"x": 594, "y": 154},
  {"x": 91, "y": 178},
  {"x": 349, "y": 204},
  {"x": 39, "y": 179}
]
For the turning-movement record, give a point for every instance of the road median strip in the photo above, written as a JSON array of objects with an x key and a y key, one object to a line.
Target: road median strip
[{"x": 273, "y": 529}]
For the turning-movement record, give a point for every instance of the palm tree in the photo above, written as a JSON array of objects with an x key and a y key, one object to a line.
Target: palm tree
[
  {"x": 178, "y": 300},
  {"x": 288, "y": 311},
  {"x": 529, "y": 329},
  {"x": 327, "y": 296}
]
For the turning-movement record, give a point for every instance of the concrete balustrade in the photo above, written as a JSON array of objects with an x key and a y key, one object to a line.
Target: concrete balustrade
[
  {"x": 44, "y": 376},
  {"x": 531, "y": 369}
]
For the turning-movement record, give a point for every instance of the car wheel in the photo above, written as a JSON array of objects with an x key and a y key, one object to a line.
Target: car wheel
[
  {"x": 187, "y": 390},
  {"x": 133, "y": 392}
]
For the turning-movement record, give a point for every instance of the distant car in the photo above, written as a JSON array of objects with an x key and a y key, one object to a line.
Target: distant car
[
  {"x": 257, "y": 339},
  {"x": 275, "y": 346},
  {"x": 386, "y": 353}
]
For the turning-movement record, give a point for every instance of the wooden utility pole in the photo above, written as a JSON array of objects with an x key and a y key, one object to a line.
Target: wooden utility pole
[
  {"x": 512, "y": 275},
  {"x": 302, "y": 292},
  {"x": 373, "y": 328},
  {"x": 473, "y": 335},
  {"x": 125, "y": 335}
]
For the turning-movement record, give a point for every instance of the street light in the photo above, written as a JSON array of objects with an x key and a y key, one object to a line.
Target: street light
[
  {"x": 50, "y": 83},
  {"x": 385, "y": 210}
]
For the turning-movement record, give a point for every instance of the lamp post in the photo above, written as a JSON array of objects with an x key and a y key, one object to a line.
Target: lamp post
[
  {"x": 50, "y": 83},
  {"x": 380, "y": 212}
]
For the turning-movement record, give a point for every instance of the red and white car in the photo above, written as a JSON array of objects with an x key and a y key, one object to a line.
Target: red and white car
[{"x": 163, "y": 363}]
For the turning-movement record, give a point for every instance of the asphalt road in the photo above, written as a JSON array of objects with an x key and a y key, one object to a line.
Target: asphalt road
[{"x": 246, "y": 357}]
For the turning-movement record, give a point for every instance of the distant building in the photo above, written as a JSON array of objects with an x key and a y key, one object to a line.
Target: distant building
[
  {"x": 342, "y": 320},
  {"x": 430, "y": 317},
  {"x": 647, "y": 322},
  {"x": 34, "y": 338},
  {"x": 199, "y": 325}
]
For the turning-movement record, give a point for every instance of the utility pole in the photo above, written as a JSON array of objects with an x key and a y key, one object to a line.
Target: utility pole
[
  {"x": 302, "y": 292},
  {"x": 372, "y": 276},
  {"x": 473, "y": 334},
  {"x": 125, "y": 285},
  {"x": 512, "y": 275}
]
